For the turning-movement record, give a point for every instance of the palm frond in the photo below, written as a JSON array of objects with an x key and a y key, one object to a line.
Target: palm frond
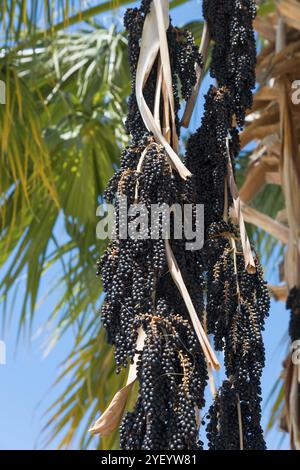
[
  {"x": 37, "y": 19},
  {"x": 60, "y": 142}
]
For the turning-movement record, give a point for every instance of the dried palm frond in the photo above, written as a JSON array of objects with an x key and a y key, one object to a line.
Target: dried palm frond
[{"x": 274, "y": 125}]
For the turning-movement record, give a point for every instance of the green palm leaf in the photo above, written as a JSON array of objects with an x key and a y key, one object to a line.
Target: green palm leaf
[{"x": 61, "y": 136}]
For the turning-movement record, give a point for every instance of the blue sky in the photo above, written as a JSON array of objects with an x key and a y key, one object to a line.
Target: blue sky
[{"x": 26, "y": 379}]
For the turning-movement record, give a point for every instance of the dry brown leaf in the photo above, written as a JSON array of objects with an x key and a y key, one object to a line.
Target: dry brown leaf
[
  {"x": 264, "y": 58},
  {"x": 266, "y": 93},
  {"x": 260, "y": 125},
  {"x": 270, "y": 58},
  {"x": 290, "y": 174},
  {"x": 166, "y": 115},
  {"x": 278, "y": 292},
  {"x": 256, "y": 177},
  {"x": 273, "y": 177},
  {"x": 287, "y": 66},
  {"x": 162, "y": 15},
  {"x": 281, "y": 217},
  {"x": 110, "y": 419},
  {"x": 265, "y": 28},
  {"x": 112, "y": 416},
  {"x": 158, "y": 93},
  {"x": 274, "y": 149},
  {"x": 263, "y": 221},
  {"x": 289, "y": 10},
  {"x": 256, "y": 132}
]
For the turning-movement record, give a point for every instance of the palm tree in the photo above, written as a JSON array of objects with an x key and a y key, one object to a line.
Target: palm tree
[{"x": 66, "y": 81}]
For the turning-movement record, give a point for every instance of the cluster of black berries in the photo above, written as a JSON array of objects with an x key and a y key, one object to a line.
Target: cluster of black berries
[
  {"x": 133, "y": 22},
  {"x": 293, "y": 304},
  {"x": 170, "y": 373},
  {"x": 206, "y": 155},
  {"x": 233, "y": 424},
  {"x": 134, "y": 262},
  {"x": 223, "y": 429},
  {"x": 145, "y": 6},
  {"x": 234, "y": 52},
  {"x": 139, "y": 288},
  {"x": 237, "y": 302},
  {"x": 187, "y": 56},
  {"x": 183, "y": 58},
  {"x": 237, "y": 305}
]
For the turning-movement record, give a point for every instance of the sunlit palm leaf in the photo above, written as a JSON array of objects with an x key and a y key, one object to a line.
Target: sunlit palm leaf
[
  {"x": 23, "y": 18},
  {"x": 65, "y": 132}
]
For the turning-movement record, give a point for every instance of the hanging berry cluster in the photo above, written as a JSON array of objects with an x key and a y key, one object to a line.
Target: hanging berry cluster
[
  {"x": 140, "y": 290},
  {"x": 293, "y": 304},
  {"x": 234, "y": 52},
  {"x": 237, "y": 298}
]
